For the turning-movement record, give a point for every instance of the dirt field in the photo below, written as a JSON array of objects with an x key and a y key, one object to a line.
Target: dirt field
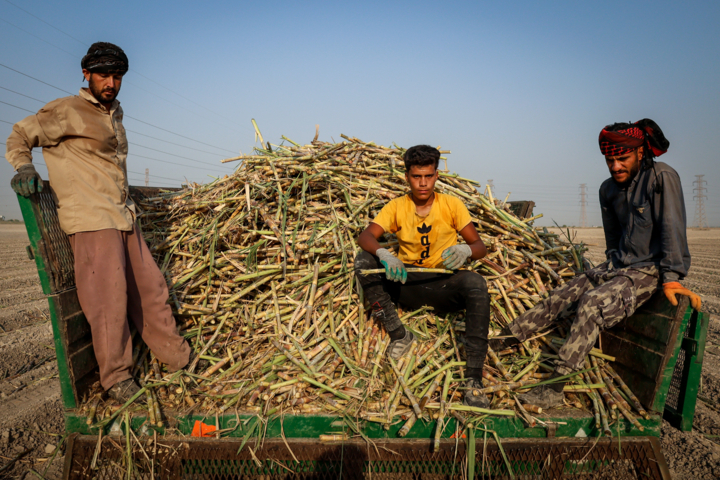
[{"x": 31, "y": 420}]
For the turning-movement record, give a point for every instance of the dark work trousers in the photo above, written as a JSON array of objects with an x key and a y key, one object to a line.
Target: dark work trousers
[
  {"x": 446, "y": 293},
  {"x": 117, "y": 278}
]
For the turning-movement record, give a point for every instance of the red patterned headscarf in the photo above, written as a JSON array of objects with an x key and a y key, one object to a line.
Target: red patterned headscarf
[{"x": 622, "y": 138}]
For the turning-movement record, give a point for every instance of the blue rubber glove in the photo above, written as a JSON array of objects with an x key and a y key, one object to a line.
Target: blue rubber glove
[
  {"x": 27, "y": 180},
  {"x": 455, "y": 257},
  {"x": 394, "y": 268}
]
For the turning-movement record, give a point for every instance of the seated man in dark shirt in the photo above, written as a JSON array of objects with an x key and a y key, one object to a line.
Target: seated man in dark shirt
[{"x": 643, "y": 214}]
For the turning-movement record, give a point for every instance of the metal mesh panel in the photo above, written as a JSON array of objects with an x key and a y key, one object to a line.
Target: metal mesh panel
[
  {"x": 55, "y": 247},
  {"x": 57, "y": 253},
  {"x": 632, "y": 458},
  {"x": 677, "y": 381}
]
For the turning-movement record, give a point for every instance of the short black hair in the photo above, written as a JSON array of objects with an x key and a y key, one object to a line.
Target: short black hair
[{"x": 421, "y": 155}]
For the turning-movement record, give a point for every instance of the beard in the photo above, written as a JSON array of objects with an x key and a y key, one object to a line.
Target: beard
[
  {"x": 103, "y": 95},
  {"x": 632, "y": 173}
]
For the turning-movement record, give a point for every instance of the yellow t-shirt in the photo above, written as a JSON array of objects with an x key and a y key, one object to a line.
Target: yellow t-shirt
[{"x": 423, "y": 239}]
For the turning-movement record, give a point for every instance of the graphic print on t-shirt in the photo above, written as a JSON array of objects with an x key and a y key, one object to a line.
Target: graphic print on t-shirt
[
  {"x": 425, "y": 242},
  {"x": 422, "y": 239}
]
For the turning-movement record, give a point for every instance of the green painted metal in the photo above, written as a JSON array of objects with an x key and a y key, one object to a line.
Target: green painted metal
[
  {"x": 66, "y": 385},
  {"x": 694, "y": 346},
  {"x": 661, "y": 395},
  {"x": 31, "y": 215},
  {"x": 312, "y": 426}
]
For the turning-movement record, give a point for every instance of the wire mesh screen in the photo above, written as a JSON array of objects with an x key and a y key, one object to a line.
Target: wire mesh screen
[
  {"x": 676, "y": 389},
  {"x": 632, "y": 458},
  {"x": 56, "y": 250},
  {"x": 673, "y": 397}
]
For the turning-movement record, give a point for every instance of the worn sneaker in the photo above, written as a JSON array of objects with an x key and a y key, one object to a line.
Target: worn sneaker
[
  {"x": 124, "y": 391},
  {"x": 398, "y": 348},
  {"x": 505, "y": 339},
  {"x": 473, "y": 396},
  {"x": 543, "y": 396}
]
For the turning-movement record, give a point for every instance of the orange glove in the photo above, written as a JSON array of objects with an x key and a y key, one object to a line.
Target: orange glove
[{"x": 671, "y": 289}]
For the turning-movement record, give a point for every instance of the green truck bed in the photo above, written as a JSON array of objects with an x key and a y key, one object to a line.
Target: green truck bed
[{"x": 658, "y": 352}]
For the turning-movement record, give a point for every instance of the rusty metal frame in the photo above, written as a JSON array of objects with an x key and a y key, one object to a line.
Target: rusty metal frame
[{"x": 194, "y": 458}]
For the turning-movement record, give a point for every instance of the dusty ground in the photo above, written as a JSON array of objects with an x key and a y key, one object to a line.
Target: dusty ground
[
  {"x": 695, "y": 454},
  {"x": 31, "y": 420}
]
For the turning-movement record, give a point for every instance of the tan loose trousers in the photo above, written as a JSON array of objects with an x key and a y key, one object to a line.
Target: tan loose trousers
[{"x": 117, "y": 278}]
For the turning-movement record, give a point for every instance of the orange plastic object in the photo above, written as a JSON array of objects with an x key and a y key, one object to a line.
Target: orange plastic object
[{"x": 201, "y": 429}]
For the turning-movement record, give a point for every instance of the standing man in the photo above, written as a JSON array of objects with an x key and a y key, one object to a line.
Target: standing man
[
  {"x": 643, "y": 214},
  {"x": 426, "y": 224},
  {"x": 85, "y": 150}
]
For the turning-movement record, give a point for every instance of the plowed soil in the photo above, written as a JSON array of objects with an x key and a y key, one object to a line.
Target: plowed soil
[
  {"x": 31, "y": 414},
  {"x": 694, "y": 454}
]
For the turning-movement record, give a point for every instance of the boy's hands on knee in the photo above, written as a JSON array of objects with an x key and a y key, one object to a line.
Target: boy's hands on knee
[
  {"x": 455, "y": 257},
  {"x": 394, "y": 267}
]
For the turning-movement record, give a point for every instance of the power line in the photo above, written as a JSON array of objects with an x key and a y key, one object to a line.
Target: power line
[
  {"x": 15, "y": 106},
  {"x": 39, "y": 38},
  {"x": 700, "y": 198},
  {"x": 583, "y": 205},
  {"x": 171, "y": 154},
  {"x": 170, "y": 101},
  {"x": 166, "y": 161},
  {"x": 171, "y": 143},
  {"x": 177, "y": 134},
  {"x": 128, "y": 171},
  {"x": 46, "y": 23},
  {"x": 159, "y": 183},
  {"x": 77, "y": 57},
  {"x": 132, "y": 143},
  {"x": 185, "y": 98},
  {"x": 156, "y": 176},
  {"x": 126, "y": 116},
  {"x": 136, "y": 72},
  {"x": 37, "y": 80},
  {"x": 127, "y": 129},
  {"x": 149, "y": 158},
  {"x": 23, "y": 95}
]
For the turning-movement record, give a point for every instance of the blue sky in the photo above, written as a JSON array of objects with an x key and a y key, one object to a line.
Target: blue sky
[{"x": 517, "y": 90}]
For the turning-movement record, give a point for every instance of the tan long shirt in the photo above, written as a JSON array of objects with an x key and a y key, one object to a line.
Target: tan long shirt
[{"x": 85, "y": 150}]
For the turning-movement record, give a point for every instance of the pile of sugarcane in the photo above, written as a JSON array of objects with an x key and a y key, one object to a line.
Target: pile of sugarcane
[{"x": 260, "y": 270}]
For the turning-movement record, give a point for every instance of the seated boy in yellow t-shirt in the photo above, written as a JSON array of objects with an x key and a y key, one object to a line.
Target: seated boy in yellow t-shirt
[{"x": 426, "y": 224}]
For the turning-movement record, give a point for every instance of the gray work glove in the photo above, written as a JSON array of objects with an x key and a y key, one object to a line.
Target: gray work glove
[
  {"x": 394, "y": 267},
  {"x": 27, "y": 180},
  {"x": 455, "y": 257}
]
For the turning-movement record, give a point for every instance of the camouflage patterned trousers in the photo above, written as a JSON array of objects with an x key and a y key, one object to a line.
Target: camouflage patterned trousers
[{"x": 603, "y": 296}]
